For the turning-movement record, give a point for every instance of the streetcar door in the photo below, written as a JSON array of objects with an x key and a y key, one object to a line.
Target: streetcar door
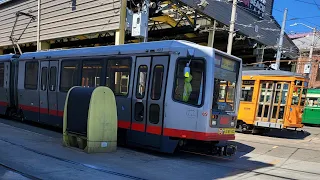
[
  {"x": 139, "y": 100},
  {"x": 52, "y": 93},
  {"x": 156, "y": 97},
  {"x": 279, "y": 102},
  {"x": 265, "y": 100},
  {"x": 44, "y": 106}
]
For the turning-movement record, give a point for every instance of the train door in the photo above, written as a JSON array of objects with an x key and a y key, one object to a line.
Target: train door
[
  {"x": 43, "y": 95},
  {"x": 52, "y": 94},
  {"x": 279, "y": 102},
  {"x": 265, "y": 100},
  {"x": 148, "y": 100},
  {"x": 156, "y": 97},
  {"x": 48, "y": 94},
  {"x": 272, "y": 101}
]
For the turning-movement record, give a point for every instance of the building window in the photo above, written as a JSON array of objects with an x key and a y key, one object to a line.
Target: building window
[
  {"x": 44, "y": 74},
  {"x": 53, "y": 79},
  {"x": 118, "y": 76},
  {"x": 31, "y": 75},
  {"x": 1, "y": 74},
  {"x": 189, "y": 90},
  {"x": 318, "y": 74},
  {"x": 91, "y": 73},
  {"x": 69, "y": 75}
]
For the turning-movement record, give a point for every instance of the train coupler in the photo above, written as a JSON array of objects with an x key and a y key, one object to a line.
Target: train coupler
[{"x": 224, "y": 150}]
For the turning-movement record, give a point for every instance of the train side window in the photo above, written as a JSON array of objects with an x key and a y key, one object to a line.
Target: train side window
[
  {"x": 53, "y": 79},
  {"x": 31, "y": 75},
  {"x": 69, "y": 75},
  {"x": 1, "y": 74},
  {"x": 118, "y": 76},
  {"x": 247, "y": 93},
  {"x": 157, "y": 82},
  {"x": 44, "y": 74},
  {"x": 91, "y": 73},
  {"x": 197, "y": 71},
  {"x": 141, "y": 81}
]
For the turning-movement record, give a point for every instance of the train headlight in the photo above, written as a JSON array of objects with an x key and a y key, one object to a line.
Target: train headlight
[
  {"x": 232, "y": 123},
  {"x": 213, "y": 122}
]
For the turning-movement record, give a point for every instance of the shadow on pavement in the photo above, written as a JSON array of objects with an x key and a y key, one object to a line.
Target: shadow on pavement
[{"x": 287, "y": 134}]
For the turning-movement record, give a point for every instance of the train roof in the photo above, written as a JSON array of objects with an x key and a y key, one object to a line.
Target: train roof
[
  {"x": 270, "y": 73},
  {"x": 6, "y": 57},
  {"x": 135, "y": 48}
]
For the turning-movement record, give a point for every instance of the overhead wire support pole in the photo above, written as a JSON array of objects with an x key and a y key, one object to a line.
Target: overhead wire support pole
[
  {"x": 38, "y": 27},
  {"x": 212, "y": 34},
  {"x": 280, "y": 42},
  {"x": 314, "y": 31},
  {"x": 232, "y": 23}
]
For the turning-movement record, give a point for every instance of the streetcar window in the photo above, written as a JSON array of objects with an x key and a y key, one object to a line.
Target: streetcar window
[
  {"x": 197, "y": 71},
  {"x": 31, "y": 75},
  {"x": 157, "y": 82},
  {"x": 91, "y": 73},
  {"x": 69, "y": 75},
  {"x": 141, "y": 81},
  {"x": 53, "y": 79},
  {"x": 44, "y": 74},
  {"x": 1, "y": 74},
  {"x": 118, "y": 76},
  {"x": 246, "y": 93},
  {"x": 303, "y": 97}
]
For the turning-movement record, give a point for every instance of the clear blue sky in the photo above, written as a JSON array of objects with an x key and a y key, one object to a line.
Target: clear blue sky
[{"x": 299, "y": 11}]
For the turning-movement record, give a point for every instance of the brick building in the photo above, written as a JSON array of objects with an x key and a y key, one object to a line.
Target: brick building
[{"x": 303, "y": 42}]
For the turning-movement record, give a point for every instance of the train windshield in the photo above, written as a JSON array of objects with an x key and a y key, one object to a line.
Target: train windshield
[{"x": 225, "y": 85}]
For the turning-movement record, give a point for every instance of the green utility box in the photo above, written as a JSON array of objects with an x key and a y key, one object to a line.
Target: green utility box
[{"x": 90, "y": 120}]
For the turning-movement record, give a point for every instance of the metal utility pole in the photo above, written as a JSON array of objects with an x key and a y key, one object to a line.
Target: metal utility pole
[
  {"x": 281, "y": 38},
  {"x": 145, "y": 9},
  {"x": 212, "y": 34},
  {"x": 232, "y": 22},
  {"x": 38, "y": 27},
  {"x": 311, "y": 50}
]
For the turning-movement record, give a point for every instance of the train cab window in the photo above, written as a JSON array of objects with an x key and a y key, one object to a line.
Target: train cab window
[
  {"x": 53, "y": 79},
  {"x": 118, "y": 76},
  {"x": 69, "y": 75},
  {"x": 1, "y": 74},
  {"x": 91, "y": 73},
  {"x": 141, "y": 81},
  {"x": 157, "y": 82},
  {"x": 44, "y": 74},
  {"x": 196, "y": 80},
  {"x": 31, "y": 75}
]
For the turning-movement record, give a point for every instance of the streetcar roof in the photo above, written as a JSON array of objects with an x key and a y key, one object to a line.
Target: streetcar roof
[
  {"x": 134, "y": 48},
  {"x": 270, "y": 73},
  {"x": 6, "y": 57}
]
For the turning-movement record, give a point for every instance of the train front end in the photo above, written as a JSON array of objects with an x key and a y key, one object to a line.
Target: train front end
[{"x": 225, "y": 103}]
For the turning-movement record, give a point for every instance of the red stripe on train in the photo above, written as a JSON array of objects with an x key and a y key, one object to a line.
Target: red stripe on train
[
  {"x": 154, "y": 129},
  {"x": 150, "y": 129},
  {"x": 137, "y": 127},
  {"x": 2, "y": 103},
  {"x": 196, "y": 135}
]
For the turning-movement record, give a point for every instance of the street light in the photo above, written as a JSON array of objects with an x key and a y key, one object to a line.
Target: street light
[{"x": 312, "y": 44}]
